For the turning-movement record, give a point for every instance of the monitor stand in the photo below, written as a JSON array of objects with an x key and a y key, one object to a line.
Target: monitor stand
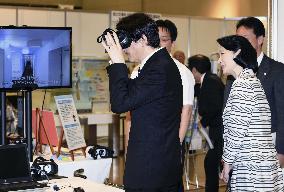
[
  {"x": 3, "y": 118},
  {"x": 27, "y": 125},
  {"x": 28, "y": 122}
]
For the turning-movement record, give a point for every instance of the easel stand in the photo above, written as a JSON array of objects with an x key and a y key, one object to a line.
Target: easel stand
[
  {"x": 83, "y": 149},
  {"x": 39, "y": 127}
]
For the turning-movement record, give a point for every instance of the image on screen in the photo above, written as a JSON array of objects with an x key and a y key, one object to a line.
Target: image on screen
[{"x": 35, "y": 57}]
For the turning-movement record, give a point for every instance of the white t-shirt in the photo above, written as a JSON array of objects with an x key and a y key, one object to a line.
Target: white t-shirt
[
  {"x": 188, "y": 83},
  {"x": 187, "y": 79}
]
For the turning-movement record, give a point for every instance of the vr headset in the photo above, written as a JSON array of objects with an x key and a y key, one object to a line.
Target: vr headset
[
  {"x": 42, "y": 168},
  {"x": 98, "y": 152},
  {"x": 123, "y": 37}
]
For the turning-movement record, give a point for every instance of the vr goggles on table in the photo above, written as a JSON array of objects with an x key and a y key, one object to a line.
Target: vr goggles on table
[
  {"x": 42, "y": 167},
  {"x": 98, "y": 152}
]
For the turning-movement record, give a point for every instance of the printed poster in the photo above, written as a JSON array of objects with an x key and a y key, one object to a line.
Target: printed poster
[{"x": 70, "y": 122}]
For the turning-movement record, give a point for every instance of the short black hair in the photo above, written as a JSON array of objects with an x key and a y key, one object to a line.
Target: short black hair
[
  {"x": 201, "y": 63},
  {"x": 247, "y": 58},
  {"x": 168, "y": 26},
  {"x": 139, "y": 24},
  {"x": 252, "y": 23}
]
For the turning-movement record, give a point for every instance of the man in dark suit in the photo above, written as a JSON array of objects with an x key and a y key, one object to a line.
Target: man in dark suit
[
  {"x": 271, "y": 75},
  {"x": 154, "y": 98},
  {"x": 210, "y": 104}
]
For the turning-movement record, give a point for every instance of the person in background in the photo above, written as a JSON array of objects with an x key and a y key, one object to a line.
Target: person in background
[
  {"x": 180, "y": 56},
  {"x": 271, "y": 76},
  {"x": 196, "y": 86},
  {"x": 10, "y": 119},
  {"x": 168, "y": 35},
  {"x": 249, "y": 153},
  {"x": 210, "y": 104},
  {"x": 154, "y": 99}
]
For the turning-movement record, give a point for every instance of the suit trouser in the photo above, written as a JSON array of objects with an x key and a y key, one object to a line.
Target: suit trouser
[
  {"x": 212, "y": 164},
  {"x": 173, "y": 188},
  {"x": 181, "y": 187}
]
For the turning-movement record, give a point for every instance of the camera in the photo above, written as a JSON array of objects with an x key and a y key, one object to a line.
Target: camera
[{"x": 123, "y": 37}]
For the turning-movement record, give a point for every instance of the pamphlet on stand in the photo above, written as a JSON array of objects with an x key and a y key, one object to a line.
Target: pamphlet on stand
[{"x": 70, "y": 125}]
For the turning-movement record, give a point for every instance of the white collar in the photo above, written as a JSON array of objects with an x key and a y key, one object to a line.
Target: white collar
[
  {"x": 146, "y": 58},
  {"x": 202, "y": 78},
  {"x": 259, "y": 58}
]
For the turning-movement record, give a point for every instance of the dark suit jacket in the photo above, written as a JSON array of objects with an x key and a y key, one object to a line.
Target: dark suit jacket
[
  {"x": 155, "y": 101},
  {"x": 271, "y": 75},
  {"x": 210, "y": 105},
  {"x": 228, "y": 86}
]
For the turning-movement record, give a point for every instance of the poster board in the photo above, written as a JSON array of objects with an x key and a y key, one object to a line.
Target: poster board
[
  {"x": 70, "y": 122},
  {"x": 49, "y": 125}
]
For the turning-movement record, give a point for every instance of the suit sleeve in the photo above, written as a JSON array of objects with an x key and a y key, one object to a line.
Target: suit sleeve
[
  {"x": 279, "y": 105},
  {"x": 237, "y": 121},
  {"x": 127, "y": 94},
  {"x": 213, "y": 104}
]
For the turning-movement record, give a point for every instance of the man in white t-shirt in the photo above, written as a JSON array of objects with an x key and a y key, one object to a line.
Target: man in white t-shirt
[{"x": 168, "y": 35}]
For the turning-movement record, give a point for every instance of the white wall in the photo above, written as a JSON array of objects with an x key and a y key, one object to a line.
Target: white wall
[
  {"x": 41, "y": 18},
  {"x": 7, "y": 16},
  {"x": 86, "y": 27},
  {"x": 203, "y": 35}
]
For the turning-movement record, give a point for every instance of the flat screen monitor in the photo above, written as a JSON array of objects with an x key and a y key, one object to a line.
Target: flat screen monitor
[{"x": 35, "y": 58}]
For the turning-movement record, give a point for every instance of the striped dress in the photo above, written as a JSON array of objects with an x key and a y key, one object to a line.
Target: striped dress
[{"x": 248, "y": 145}]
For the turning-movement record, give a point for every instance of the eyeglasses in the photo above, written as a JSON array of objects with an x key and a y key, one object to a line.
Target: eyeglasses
[{"x": 165, "y": 39}]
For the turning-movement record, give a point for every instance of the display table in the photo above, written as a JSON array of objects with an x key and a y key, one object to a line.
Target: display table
[
  {"x": 95, "y": 170},
  {"x": 68, "y": 185},
  {"x": 91, "y": 120}
]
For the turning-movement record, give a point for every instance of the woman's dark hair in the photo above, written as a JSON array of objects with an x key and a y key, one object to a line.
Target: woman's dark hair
[
  {"x": 247, "y": 57},
  {"x": 139, "y": 24},
  {"x": 201, "y": 63}
]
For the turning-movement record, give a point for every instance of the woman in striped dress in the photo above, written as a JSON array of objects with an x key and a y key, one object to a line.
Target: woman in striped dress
[{"x": 248, "y": 148}]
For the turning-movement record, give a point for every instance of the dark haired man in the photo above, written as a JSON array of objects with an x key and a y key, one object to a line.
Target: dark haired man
[
  {"x": 210, "y": 105},
  {"x": 271, "y": 75},
  {"x": 154, "y": 99}
]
